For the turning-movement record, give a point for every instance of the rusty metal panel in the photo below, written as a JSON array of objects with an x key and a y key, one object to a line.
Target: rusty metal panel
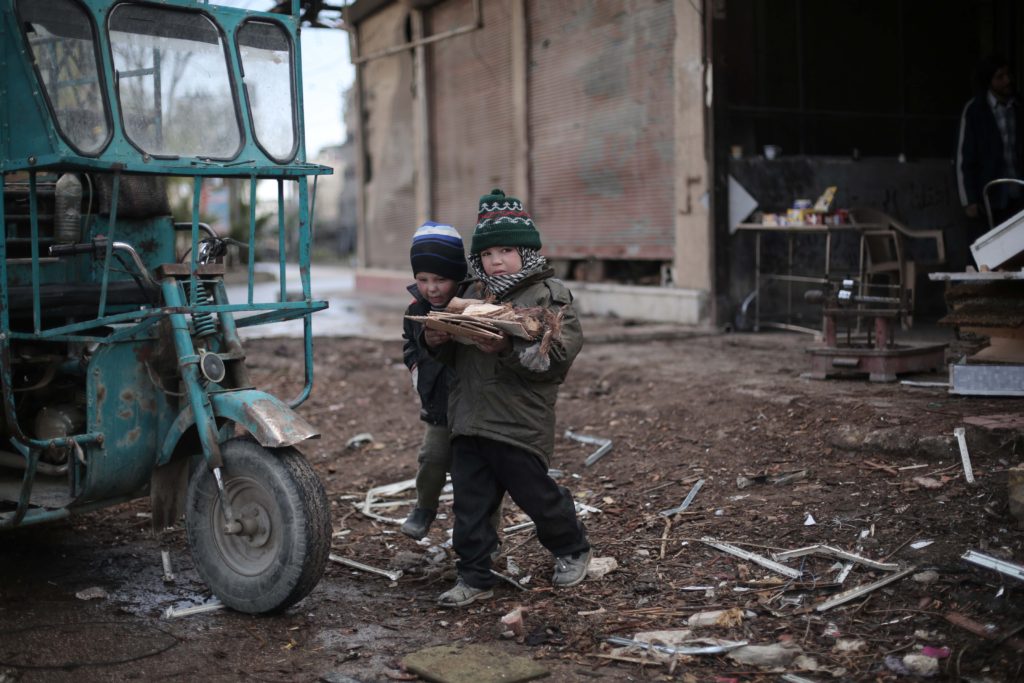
[
  {"x": 471, "y": 109},
  {"x": 601, "y": 122},
  {"x": 390, "y": 202}
]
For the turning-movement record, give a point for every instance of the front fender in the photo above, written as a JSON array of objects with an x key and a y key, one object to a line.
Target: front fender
[{"x": 267, "y": 418}]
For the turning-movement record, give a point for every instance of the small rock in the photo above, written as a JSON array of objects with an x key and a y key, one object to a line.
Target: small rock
[
  {"x": 600, "y": 566},
  {"x": 359, "y": 440},
  {"x": 926, "y": 577},
  {"x": 921, "y": 665},
  {"x": 93, "y": 593},
  {"x": 722, "y": 617},
  {"x": 774, "y": 655},
  {"x": 927, "y": 482}
]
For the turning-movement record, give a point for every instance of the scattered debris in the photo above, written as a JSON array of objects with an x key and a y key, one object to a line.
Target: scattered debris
[
  {"x": 165, "y": 558},
  {"x": 604, "y": 445},
  {"x": 366, "y": 508},
  {"x": 92, "y": 593},
  {"x": 509, "y": 579},
  {"x": 686, "y": 501},
  {"x": 711, "y": 646},
  {"x": 359, "y": 440},
  {"x": 774, "y": 655},
  {"x": 829, "y": 551},
  {"x": 211, "y": 605},
  {"x": 600, "y": 566},
  {"x": 846, "y": 645},
  {"x": 917, "y": 545},
  {"x": 392, "y": 575},
  {"x": 927, "y": 577},
  {"x": 855, "y": 593},
  {"x": 723, "y": 618},
  {"x": 987, "y": 631},
  {"x": 512, "y": 624},
  {"x": 1015, "y": 491},
  {"x": 961, "y": 439},
  {"x": 1015, "y": 571},
  {"x": 809, "y": 520},
  {"x": 752, "y": 557},
  {"x": 782, "y": 479},
  {"x": 927, "y": 483}
]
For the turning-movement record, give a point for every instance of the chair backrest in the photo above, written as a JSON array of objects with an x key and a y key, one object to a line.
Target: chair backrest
[
  {"x": 867, "y": 215},
  {"x": 882, "y": 249}
]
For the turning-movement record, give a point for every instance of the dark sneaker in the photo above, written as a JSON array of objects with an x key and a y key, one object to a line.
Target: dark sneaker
[
  {"x": 463, "y": 594},
  {"x": 571, "y": 569},
  {"x": 417, "y": 524}
]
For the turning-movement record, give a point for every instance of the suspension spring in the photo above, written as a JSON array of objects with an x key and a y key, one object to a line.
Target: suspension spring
[{"x": 202, "y": 322}]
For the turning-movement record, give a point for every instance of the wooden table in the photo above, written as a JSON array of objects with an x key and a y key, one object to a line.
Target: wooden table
[{"x": 790, "y": 231}]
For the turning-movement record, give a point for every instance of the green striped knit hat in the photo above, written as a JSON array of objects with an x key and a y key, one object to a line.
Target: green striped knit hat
[{"x": 503, "y": 222}]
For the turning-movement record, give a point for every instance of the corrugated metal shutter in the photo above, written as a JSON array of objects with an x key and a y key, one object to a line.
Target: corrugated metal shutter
[
  {"x": 471, "y": 110},
  {"x": 600, "y": 88},
  {"x": 390, "y": 199}
]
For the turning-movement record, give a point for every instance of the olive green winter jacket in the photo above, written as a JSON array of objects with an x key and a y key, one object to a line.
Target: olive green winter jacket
[{"x": 494, "y": 395}]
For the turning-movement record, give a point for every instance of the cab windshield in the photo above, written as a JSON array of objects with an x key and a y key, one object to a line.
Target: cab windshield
[{"x": 172, "y": 81}]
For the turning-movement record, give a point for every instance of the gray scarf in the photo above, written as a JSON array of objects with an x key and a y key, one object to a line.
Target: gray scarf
[{"x": 499, "y": 285}]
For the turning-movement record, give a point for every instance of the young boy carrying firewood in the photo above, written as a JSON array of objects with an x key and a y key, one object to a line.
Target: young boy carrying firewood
[
  {"x": 501, "y": 408},
  {"x": 439, "y": 265}
]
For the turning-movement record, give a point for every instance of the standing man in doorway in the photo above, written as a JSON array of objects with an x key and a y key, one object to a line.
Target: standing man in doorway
[{"x": 990, "y": 145}]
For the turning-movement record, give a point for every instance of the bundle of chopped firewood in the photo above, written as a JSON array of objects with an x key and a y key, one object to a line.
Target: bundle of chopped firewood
[{"x": 470, "y": 320}]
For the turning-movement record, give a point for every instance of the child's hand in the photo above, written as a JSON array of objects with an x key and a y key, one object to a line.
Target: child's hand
[
  {"x": 494, "y": 345},
  {"x": 435, "y": 337}
]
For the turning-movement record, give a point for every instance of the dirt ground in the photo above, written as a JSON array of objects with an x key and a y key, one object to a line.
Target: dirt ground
[{"x": 875, "y": 469}]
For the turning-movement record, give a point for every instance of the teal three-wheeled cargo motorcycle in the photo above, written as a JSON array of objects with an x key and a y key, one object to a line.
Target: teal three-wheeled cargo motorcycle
[{"x": 121, "y": 366}]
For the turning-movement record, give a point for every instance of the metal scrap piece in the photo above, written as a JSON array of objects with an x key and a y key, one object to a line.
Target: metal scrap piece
[
  {"x": 961, "y": 440},
  {"x": 752, "y": 557},
  {"x": 995, "y": 564},
  {"x": 213, "y": 605},
  {"x": 686, "y": 502},
  {"x": 393, "y": 575},
  {"x": 855, "y": 593},
  {"x": 604, "y": 445},
  {"x": 830, "y": 551},
  {"x": 727, "y": 646}
]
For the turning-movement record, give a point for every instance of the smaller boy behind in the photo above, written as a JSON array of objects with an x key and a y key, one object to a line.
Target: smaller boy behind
[{"x": 439, "y": 265}]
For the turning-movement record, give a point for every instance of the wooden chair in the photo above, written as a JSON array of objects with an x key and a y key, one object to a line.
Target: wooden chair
[{"x": 884, "y": 253}]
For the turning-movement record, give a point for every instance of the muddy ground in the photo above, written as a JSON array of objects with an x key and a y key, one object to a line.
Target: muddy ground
[{"x": 876, "y": 470}]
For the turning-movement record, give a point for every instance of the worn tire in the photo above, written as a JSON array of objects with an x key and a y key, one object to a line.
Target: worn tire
[{"x": 283, "y": 558}]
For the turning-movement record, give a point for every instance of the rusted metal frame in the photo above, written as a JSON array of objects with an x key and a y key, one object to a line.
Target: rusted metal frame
[
  {"x": 188, "y": 362},
  {"x": 252, "y": 235},
  {"x": 305, "y": 220},
  {"x": 477, "y": 24},
  {"x": 281, "y": 242},
  {"x": 33, "y": 211},
  {"x": 197, "y": 191},
  {"x": 27, "y": 480},
  {"x": 108, "y": 257}
]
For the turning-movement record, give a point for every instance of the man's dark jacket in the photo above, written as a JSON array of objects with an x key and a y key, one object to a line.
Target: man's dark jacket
[{"x": 979, "y": 152}]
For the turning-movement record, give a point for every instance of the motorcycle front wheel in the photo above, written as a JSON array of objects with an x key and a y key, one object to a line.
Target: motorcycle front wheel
[{"x": 280, "y": 554}]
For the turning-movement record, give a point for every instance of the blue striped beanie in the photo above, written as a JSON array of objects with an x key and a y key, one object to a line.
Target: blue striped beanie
[{"x": 437, "y": 248}]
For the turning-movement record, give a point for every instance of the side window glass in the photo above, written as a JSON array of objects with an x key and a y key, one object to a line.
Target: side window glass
[
  {"x": 60, "y": 36},
  {"x": 266, "y": 56}
]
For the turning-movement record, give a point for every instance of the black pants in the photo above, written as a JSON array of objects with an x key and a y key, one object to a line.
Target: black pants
[{"x": 482, "y": 471}]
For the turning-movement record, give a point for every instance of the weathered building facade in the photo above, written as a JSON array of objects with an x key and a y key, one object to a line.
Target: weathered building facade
[{"x": 621, "y": 122}]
